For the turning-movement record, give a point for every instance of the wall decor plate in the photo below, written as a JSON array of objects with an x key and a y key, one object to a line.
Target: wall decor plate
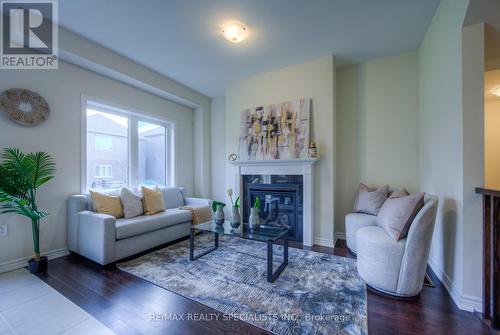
[{"x": 24, "y": 106}]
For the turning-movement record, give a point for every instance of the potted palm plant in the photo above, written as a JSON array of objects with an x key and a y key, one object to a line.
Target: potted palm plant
[{"x": 20, "y": 177}]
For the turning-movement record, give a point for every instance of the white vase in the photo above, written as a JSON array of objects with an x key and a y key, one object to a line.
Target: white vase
[
  {"x": 235, "y": 217},
  {"x": 219, "y": 215},
  {"x": 253, "y": 220}
]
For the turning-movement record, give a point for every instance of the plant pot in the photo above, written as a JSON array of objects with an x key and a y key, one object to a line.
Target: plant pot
[
  {"x": 219, "y": 215},
  {"x": 253, "y": 220},
  {"x": 235, "y": 217},
  {"x": 38, "y": 267}
]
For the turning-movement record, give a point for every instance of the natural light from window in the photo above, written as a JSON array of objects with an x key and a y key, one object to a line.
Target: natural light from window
[{"x": 125, "y": 150}]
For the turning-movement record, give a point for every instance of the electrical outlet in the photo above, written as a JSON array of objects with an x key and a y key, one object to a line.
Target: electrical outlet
[{"x": 3, "y": 230}]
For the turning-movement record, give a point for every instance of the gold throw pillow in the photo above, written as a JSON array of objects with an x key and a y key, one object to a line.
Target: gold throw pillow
[
  {"x": 107, "y": 204},
  {"x": 153, "y": 201}
]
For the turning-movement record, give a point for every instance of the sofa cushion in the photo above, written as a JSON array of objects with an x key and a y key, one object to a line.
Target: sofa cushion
[
  {"x": 132, "y": 203},
  {"x": 107, "y": 204},
  {"x": 354, "y": 222},
  {"x": 153, "y": 200},
  {"x": 369, "y": 200},
  {"x": 173, "y": 197},
  {"x": 144, "y": 224}
]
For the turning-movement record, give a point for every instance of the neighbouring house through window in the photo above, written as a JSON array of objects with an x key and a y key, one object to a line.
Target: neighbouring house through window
[{"x": 125, "y": 149}]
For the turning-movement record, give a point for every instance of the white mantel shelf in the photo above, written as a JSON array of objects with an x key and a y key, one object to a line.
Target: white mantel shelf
[
  {"x": 301, "y": 161},
  {"x": 303, "y": 167}
]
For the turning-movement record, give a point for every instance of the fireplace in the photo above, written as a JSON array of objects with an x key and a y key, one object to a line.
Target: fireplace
[
  {"x": 284, "y": 176},
  {"x": 282, "y": 201}
]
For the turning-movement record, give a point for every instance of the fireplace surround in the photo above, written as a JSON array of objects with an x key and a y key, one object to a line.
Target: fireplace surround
[{"x": 277, "y": 168}]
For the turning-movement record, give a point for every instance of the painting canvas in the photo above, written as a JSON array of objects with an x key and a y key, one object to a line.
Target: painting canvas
[{"x": 278, "y": 131}]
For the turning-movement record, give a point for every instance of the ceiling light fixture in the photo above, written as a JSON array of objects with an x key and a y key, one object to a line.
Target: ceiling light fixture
[
  {"x": 234, "y": 32},
  {"x": 496, "y": 91}
]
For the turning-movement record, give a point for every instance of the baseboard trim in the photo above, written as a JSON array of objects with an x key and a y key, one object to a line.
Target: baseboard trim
[
  {"x": 340, "y": 236},
  {"x": 324, "y": 242},
  {"x": 23, "y": 262},
  {"x": 464, "y": 302}
]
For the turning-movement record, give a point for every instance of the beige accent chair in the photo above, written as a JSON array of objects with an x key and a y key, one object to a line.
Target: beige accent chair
[{"x": 393, "y": 267}]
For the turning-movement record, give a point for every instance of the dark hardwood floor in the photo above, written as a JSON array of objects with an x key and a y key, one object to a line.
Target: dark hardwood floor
[{"x": 125, "y": 304}]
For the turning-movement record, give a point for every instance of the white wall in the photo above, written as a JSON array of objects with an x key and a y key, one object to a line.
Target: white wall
[
  {"x": 492, "y": 144},
  {"x": 218, "y": 148},
  {"x": 60, "y": 136},
  {"x": 80, "y": 51},
  {"x": 441, "y": 138},
  {"x": 377, "y": 133},
  {"x": 316, "y": 80},
  {"x": 473, "y": 65}
]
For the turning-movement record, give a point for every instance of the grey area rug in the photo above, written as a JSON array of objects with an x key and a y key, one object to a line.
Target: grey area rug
[{"x": 316, "y": 293}]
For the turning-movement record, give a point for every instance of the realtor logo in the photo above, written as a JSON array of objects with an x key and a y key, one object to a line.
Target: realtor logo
[{"x": 29, "y": 35}]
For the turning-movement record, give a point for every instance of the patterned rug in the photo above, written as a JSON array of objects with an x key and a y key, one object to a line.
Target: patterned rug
[{"x": 315, "y": 294}]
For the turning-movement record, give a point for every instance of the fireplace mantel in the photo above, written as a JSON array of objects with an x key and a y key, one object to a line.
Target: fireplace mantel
[
  {"x": 304, "y": 161},
  {"x": 302, "y": 167}
]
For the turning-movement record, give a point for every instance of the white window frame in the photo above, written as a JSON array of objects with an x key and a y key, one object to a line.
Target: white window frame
[{"x": 134, "y": 117}]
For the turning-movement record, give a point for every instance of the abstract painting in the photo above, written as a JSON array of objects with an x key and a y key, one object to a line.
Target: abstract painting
[{"x": 277, "y": 131}]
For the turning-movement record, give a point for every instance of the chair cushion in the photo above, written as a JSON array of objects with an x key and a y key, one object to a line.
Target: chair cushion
[
  {"x": 398, "y": 212},
  {"x": 354, "y": 222},
  {"x": 379, "y": 258},
  {"x": 369, "y": 200},
  {"x": 144, "y": 224},
  {"x": 173, "y": 197}
]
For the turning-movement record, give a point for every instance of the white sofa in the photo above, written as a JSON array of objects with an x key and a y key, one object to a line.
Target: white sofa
[
  {"x": 393, "y": 267},
  {"x": 104, "y": 239}
]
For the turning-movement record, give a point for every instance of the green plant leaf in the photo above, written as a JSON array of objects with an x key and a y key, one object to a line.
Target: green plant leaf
[{"x": 257, "y": 203}]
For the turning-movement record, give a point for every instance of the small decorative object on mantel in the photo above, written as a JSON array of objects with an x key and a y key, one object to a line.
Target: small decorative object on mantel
[
  {"x": 313, "y": 150},
  {"x": 235, "y": 214},
  {"x": 24, "y": 106},
  {"x": 232, "y": 157}
]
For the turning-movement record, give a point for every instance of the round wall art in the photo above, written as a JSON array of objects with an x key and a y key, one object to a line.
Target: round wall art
[{"x": 24, "y": 106}]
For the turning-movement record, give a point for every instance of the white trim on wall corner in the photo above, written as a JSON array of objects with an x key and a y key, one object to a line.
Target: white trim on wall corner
[
  {"x": 340, "y": 235},
  {"x": 23, "y": 262},
  {"x": 463, "y": 302},
  {"x": 324, "y": 242}
]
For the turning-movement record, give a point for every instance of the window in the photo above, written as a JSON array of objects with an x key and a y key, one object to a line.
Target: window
[
  {"x": 125, "y": 149},
  {"x": 103, "y": 171},
  {"x": 152, "y": 164},
  {"x": 103, "y": 142}
]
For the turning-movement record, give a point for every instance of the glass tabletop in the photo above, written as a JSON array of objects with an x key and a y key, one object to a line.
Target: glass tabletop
[{"x": 263, "y": 233}]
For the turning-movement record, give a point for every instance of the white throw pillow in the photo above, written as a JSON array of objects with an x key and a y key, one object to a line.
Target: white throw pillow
[{"x": 132, "y": 203}]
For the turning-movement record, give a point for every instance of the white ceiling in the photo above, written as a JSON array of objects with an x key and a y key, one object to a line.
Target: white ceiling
[{"x": 180, "y": 38}]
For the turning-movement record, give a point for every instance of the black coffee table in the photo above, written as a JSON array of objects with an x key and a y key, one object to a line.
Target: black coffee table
[{"x": 266, "y": 234}]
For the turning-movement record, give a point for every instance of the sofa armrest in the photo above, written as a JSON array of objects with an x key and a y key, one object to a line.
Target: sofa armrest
[
  {"x": 96, "y": 236},
  {"x": 197, "y": 202},
  {"x": 76, "y": 203}
]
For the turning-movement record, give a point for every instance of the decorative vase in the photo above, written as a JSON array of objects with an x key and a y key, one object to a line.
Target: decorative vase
[
  {"x": 38, "y": 266},
  {"x": 235, "y": 217},
  {"x": 219, "y": 215},
  {"x": 253, "y": 220}
]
